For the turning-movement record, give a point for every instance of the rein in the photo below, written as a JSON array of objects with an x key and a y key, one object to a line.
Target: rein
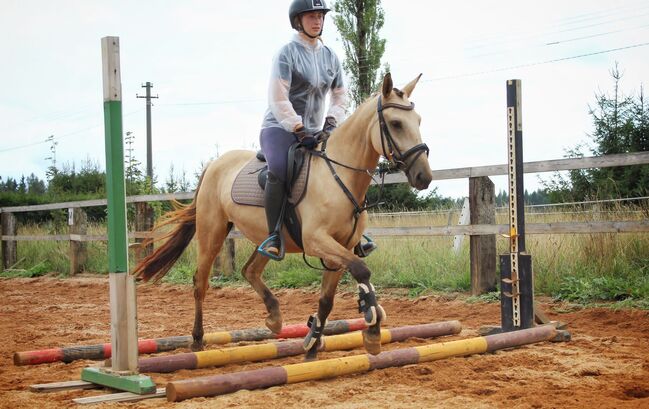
[{"x": 396, "y": 158}]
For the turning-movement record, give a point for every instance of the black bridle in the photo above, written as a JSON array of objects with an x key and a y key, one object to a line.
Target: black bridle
[{"x": 394, "y": 154}]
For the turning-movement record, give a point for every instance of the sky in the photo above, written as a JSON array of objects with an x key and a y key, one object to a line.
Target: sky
[{"x": 209, "y": 62}]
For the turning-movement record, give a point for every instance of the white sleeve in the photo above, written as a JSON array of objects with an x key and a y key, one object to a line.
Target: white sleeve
[
  {"x": 281, "y": 106},
  {"x": 278, "y": 92},
  {"x": 338, "y": 104}
]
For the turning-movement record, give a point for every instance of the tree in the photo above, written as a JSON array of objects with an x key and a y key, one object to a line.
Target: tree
[
  {"x": 359, "y": 22},
  {"x": 621, "y": 125}
]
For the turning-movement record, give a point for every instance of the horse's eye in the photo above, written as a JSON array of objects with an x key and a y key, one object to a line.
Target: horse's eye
[{"x": 396, "y": 124}]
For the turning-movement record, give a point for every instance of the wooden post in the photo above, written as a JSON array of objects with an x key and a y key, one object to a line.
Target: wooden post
[
  {"x": 225, "y": 261},
  {"x": 143, "y": 223},
  {"x": 78, "y": 221},
  {"x": 482, "y": 199},
  {"x": 9, "y": 247},
  {"x": 123, "y": 373}
]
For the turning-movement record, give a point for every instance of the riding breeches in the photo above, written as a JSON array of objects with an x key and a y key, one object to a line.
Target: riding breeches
[{"x": 275, "y": 143}]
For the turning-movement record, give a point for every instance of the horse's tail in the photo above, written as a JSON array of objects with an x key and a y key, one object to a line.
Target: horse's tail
[{"x": 158, "y": 263}]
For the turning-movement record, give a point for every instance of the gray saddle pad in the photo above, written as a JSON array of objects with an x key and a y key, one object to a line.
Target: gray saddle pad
[{"x": 246, "y": 189}]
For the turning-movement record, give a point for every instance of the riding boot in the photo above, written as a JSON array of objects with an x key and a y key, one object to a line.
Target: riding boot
[{"x": 274, "y": 203}]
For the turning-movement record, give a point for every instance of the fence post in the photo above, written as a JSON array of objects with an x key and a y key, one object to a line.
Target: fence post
[
  {"x": 143, "y": 223},
  {"x": 78, "y": 221},
  {"x": 482, "y": 199},
  {"x": 225, "y": 261},
  {"x": 9, "y": 247}
]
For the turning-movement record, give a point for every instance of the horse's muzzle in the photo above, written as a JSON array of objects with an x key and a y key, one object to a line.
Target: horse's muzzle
[{"x": 420, "y": 180}]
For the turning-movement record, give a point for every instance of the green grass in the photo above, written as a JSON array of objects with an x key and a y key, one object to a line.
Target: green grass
[{"x": 586, "y": 269}]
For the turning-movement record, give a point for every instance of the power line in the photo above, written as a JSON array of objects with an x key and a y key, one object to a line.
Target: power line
[
  {"x": 535, "y": 63},
  {"x": 14, "y": 148}
]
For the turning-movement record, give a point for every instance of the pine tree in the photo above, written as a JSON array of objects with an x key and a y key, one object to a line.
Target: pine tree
[{"x": 621, "y": 125}]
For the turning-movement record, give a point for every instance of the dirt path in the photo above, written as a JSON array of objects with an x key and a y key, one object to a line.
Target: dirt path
[{"x": 606, "y": 365}]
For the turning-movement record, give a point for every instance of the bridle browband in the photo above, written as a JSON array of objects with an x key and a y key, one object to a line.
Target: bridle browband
[{"x": 395, "y": 155}]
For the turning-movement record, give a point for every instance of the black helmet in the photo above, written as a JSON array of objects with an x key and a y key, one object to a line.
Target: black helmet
[{"x": 302, "y": 6}]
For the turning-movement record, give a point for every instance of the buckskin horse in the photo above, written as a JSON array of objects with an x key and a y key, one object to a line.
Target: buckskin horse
[{"x": 332, "y": 218}]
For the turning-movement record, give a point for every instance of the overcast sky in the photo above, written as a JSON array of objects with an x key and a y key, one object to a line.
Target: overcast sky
[{"x": 209, "y": 62}]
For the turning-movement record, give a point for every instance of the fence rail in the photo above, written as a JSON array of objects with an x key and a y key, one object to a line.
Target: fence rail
[
  {"x": 422, "y": 231},
  {"x": 481, "y": 196},
  {"x": 624, "y": 159}
]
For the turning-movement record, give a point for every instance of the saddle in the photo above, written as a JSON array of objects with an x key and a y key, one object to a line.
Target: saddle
[{"x": 248, "y": 186}]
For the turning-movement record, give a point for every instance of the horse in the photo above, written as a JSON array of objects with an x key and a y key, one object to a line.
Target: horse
[{"x": 332, "y": 219}]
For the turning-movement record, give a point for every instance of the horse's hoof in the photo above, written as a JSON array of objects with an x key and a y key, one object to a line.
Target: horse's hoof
[
  {"x": 197, "y": 346},
  {"x": 274, "y": 325},
  {"x": 372, "y": 343}
]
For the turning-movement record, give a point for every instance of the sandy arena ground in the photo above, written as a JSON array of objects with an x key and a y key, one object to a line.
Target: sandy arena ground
[{"x": 606, "y": 365}]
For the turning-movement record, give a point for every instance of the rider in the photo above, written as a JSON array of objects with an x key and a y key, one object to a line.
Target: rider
[{"x": 304, "y": 71}]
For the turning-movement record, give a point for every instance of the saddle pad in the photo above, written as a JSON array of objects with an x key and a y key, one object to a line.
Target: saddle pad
[{"x": 246, "y": 189}]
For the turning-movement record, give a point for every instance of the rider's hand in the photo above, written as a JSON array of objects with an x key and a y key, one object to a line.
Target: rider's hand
[
  {"x": 329, "y": 125},
  {"x": 299, "y": 132},
  {"x": 308, "y": 141}
]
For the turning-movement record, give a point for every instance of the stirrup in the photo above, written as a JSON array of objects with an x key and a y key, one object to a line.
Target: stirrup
[
  {"x": 263, "y": 247},
  {"x": 364, "y": 249}
]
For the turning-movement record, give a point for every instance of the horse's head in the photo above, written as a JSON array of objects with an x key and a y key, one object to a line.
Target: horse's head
[{"x": 397, "y": 135}]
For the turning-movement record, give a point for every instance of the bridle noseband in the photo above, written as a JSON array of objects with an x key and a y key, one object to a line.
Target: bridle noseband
[{"x": 396, "y": 157}]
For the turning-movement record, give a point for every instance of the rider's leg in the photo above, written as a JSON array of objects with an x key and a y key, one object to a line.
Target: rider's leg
[
  {"x": 274, "y": 202},
  {"x": 275, "y": 143}
]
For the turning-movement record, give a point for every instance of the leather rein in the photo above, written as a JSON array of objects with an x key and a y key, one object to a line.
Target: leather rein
[{"x": 393, "y": 154}]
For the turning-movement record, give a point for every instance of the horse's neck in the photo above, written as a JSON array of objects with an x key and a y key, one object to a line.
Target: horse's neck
[{"x": 350, "y": 144}]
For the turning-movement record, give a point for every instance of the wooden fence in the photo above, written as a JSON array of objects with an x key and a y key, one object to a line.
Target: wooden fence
[{"x": 482, "y": 228}]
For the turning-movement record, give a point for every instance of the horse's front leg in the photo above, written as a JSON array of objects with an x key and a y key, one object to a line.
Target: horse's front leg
[
  {"x": 252, "y": 272},
  {"x": 338, "y": 257},
  {"x": 313, "y": 340}
]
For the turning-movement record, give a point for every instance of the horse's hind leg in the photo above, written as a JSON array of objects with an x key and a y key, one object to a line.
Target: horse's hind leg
[
  {"x": 317, "y": 323},
  {"x": 210, "y": 241},
  {"x": 252, "y": 272}
]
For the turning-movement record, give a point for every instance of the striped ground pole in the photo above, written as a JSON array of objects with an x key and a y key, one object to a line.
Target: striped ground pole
[
  {"x": 260, "y": 352},
  {"x": 149, "y": 346},
  {"x": 279, "y": 375}
]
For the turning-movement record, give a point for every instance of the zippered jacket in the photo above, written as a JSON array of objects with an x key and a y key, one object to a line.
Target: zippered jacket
[{"x": 302, "y": 74}]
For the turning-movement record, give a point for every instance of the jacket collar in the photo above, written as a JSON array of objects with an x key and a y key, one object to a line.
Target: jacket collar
[{"x": 302, "y": 41}]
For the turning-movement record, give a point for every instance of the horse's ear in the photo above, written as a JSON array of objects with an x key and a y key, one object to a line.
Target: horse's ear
[
  {"x": 387, "y": 85},
  {"x": 411, "y": 86}
]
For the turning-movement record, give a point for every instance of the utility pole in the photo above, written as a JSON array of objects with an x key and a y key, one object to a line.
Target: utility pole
[{"x": 149, "y": 160}]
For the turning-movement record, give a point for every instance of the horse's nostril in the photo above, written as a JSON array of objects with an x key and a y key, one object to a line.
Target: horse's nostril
[{"x": 422, "y": 181}]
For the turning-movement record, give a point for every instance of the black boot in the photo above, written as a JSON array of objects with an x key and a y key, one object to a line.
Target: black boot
[{"x": 274, "y": 202}]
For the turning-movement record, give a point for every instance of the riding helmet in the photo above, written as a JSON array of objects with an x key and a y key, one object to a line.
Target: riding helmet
[{"x": 302, "y": 6}]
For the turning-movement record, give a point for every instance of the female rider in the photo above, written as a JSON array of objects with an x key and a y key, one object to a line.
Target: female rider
[{"x": 303, "y": 72}]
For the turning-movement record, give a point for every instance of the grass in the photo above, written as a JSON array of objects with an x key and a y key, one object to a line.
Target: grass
[{"x": 588, "y": 269}]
